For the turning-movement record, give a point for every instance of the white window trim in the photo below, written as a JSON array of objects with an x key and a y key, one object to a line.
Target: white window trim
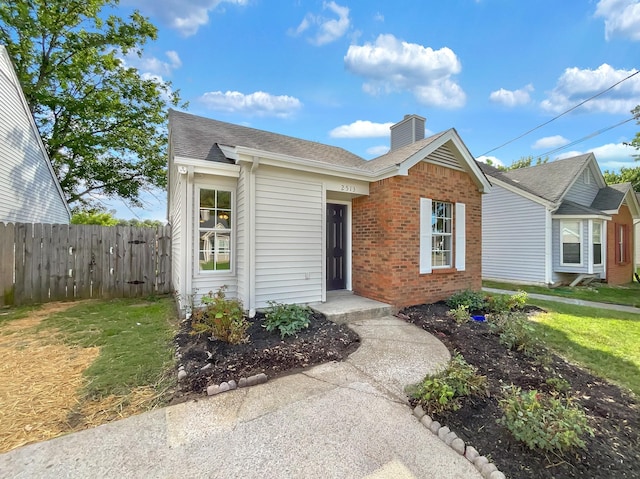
[
  {"x": 458, "y": 237},
  {"x": 580, "y": 228},
  {"x": 601, "y": 243},
  {"x": 450, "y": 235},
  {"x": 196, "y": 229}
]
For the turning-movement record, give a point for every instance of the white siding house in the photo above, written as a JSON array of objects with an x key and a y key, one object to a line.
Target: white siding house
[
  {"x": 29, "y": 189},
  {"x": 249, "y": 209},
  {"x": 549, "y": 223}
]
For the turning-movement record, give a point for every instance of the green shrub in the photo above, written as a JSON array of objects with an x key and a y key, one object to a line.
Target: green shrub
[
  {"x": 543, "y": 421},
  {"x": 558, "y": 384},
  {"x": 460, "y": 314},
  {"x": 499, "y": 304},
  {"x": 286, "y": 318},
  {"x": 473, "y": 300},
  {"x": 518, "y": 300},
  {"x": 442, "y": 391},
  {"x": 516, "y": 332},
  {"x": 221, "y": 317}
]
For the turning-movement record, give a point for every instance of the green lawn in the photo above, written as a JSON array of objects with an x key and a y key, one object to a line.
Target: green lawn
[
  {"x": 628, "y": 294},
  {"x": 605, "y": 342},
  {"x": 134, "y": 336}
]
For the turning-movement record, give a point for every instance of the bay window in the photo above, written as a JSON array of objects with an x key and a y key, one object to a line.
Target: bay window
[{"x": 571, "y": 239}]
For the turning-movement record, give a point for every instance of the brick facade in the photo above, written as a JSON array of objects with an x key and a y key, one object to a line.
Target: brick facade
[
  {"x": 386, "y": 237},
  {"x": 620, "y": 273}
]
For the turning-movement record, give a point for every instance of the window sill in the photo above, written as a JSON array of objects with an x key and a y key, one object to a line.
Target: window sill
[{"x": 443, "y": 270}]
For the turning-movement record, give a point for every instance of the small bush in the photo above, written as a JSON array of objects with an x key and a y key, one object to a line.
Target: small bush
[
  {"x": 499, "y": 304},
  {"x": 516, "y": 332},
  {"x": 473, "y": 300},
  {"x": 286, "y": 318},
  {"x": 518, "y": 300},
  {"x": 460, "y": 314},
  {"x": 221, "y": 317},
  {"x": 558, "y": 384},
  {"x": 442, "y": 391},
  {"x": 543, "y": 421}
]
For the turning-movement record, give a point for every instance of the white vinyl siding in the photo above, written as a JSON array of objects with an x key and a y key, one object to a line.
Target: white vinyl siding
[
  {"x": 582, "y": 192},
  {"x": 425, "y": 235},
  {"x": 28, "y": 189},
  {"x": 176, "y": 219},
  {"x": 288, "y": 240},
  {"x": 513, "y": 237}
]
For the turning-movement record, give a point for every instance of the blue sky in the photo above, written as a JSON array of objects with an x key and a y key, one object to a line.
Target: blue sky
[{"x": 340, "y": 72}]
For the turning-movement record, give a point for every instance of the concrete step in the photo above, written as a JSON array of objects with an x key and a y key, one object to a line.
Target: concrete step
[{"x": 346, "y": 307}]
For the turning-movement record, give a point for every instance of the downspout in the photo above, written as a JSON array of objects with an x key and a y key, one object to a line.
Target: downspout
[{"x": 251, "y": 269}]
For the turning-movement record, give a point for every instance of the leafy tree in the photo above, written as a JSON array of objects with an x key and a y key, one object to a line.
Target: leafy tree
[
  {"x": 102, "y": 122},
  {"x": 140, "y": 223},
  {"x": 92, "y": 217},
  {"x": 630, "y": 175},
  {"x": 636, "y": 141},
  {"x": 525, "y": 162}
]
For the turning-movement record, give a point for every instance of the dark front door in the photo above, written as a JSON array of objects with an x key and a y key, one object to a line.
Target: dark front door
[{"x": 336, "y": 246}]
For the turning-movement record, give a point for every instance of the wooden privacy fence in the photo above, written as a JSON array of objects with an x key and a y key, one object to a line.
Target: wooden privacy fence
[{"x": 45, "y": 262}]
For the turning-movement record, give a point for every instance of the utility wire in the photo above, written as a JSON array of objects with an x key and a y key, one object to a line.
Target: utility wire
[
  {"x": 561, "y": 114},
  {"x": 585, "y": 138}
]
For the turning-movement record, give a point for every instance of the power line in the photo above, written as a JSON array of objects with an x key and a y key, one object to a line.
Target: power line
[
  {"x": 585, "y": 138},
  {"x": 561, "y": 114}
]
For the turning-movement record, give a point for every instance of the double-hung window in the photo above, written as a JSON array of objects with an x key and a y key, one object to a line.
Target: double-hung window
[
  {"x": 597, "y": 243},
  {"x": 214, "y": 230},
  {"x": 571, "y": 238},
  {"x": 441, "y": 230}
]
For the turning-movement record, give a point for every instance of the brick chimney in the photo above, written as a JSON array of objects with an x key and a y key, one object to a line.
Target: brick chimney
[{"x": 409, "y": 130}]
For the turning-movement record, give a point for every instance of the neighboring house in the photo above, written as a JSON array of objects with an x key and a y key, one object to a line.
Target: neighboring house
[
  {"x": 29, "y": 189},
  {"x": 276, "y": 218},
  {"x": 553, "y": 222}
]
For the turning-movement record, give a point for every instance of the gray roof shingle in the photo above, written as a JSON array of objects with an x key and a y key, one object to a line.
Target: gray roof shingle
[
  {"x": 569, "y": 208},
  {"x": 611, "y": 197},
  {"x": 198, "y": 137}
]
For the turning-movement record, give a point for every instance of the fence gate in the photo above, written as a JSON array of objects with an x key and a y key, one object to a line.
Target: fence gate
[{"x": 45, "y": 262}]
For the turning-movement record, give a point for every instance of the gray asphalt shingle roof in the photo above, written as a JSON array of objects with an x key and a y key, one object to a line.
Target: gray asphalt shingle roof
[
  {"x": 569, "y": 208},
  {"x": 611, "y": 197},
  {"x": 198, "y": 137}
]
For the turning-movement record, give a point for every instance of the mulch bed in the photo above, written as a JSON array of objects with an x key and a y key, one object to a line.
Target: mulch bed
[
  {"x": 263, "y": 352},
  {"x": 614, "y": 451}
]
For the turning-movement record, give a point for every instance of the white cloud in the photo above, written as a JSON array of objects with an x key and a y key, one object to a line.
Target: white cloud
[
  {"x": 494, "y": 161},
  {"x": 550, "y": 142},
  {"x": 361, "y": 129},
  {"x": 390, "y": 65},
  {"x": 377, "y": 150},
  {"x": 611, "y": 156},
  {"x": 257, "y": 104},
  {"x": 328, "y": 29},
  {"x": 576, "y": 85},
  {"x": 512, "y": 98},
  {"x": 621, "y": 17},
  {"x": 153, "y": 65},
  {"x": 186, "y": 16},
  {"x": 378, "y": 17}
]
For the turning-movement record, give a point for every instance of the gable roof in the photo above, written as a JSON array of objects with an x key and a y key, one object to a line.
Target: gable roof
[
  {"x": 549, "y": 181},
  {"x": 200, "y": 138},
  {"x": 611, "y": 197}
]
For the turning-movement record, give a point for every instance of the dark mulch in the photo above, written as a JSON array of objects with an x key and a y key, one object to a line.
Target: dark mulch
[
  {"x": 614, "y": 451},
  {"x": 263, "y": 352}
]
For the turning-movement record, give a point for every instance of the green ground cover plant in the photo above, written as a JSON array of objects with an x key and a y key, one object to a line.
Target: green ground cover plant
[
  {"x": 134, "y": 337},
  {"x": 288, "y": 319}
]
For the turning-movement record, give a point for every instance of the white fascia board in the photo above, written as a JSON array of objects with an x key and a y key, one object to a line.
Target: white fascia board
[
  {"x": 311, "y": 166},
  {"x": 208, "y": 167},
  {"x": 524, "y": 194},
  {"x": 471, "y": 167},
  {"x": 582, "y": 217}
]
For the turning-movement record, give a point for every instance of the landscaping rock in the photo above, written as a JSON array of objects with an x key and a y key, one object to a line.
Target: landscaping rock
[
  {"x": 458, "y": 445},
  {"x": 213, "y": 390},
  {"x": 480, "y": 461},
  {"x": 435, "y": 427},
  {"x": 206, "y": 366},
  {"x": 182, "y": 374},
  {"x": 262, "y": 378},
  {"x": 487, "y": 469},
  {"x": 232, "y": 384},
  {"x": 497, "y": 475},
  {"x": 426, "y": 421},
  {"x": 450, "y": 437},
  {"x": 442, "y": 432},
  {"x": 224, "y": 387},
  {"x": 242, "y": 383},
  {"x": 418, "y": 412},
  {"x": 471, "y": 453}
]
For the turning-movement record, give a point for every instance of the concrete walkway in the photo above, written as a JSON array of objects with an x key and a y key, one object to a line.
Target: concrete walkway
[
  {"x": 577, "y": 302},
  {"x": 336, "y": 420}
]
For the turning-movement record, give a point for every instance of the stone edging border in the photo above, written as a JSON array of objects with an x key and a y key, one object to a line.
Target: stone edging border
[
  {"x": 487, "y": 469},
  {"x": 242, "y": 383}
]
